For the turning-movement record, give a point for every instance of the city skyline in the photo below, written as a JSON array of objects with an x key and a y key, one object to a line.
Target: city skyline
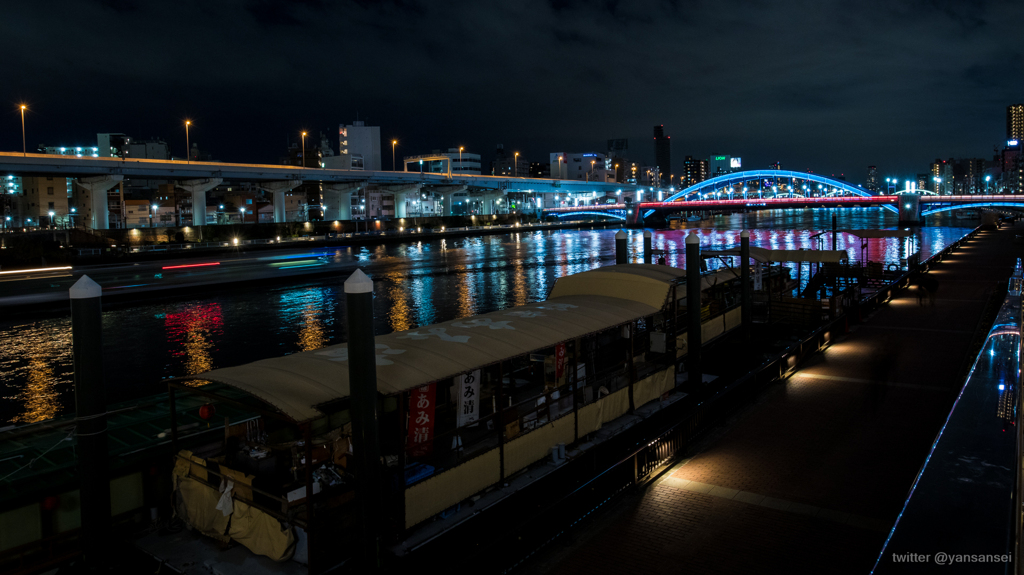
[{"x": 830, "y": 89}]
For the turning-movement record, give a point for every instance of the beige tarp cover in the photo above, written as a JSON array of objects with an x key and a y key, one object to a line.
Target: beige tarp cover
[
  {"x": 765, "y": 255},
  {"x": 609, "y": 296},
  {"x": 408, "y": 359},
  {"x": 261, "y": 533},
  {"x": 644, "y": 283}
]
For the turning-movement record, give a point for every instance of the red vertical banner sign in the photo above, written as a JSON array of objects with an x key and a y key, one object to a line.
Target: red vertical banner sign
[
  {"x": 559, "y": 361},
  {"x": 421, "y": 421}
]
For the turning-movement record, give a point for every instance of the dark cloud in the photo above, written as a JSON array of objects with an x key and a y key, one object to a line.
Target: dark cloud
[{"x": 825, "y": 85}]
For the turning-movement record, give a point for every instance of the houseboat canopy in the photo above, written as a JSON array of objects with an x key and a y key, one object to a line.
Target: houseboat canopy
[{"x": 297, "y": 384}]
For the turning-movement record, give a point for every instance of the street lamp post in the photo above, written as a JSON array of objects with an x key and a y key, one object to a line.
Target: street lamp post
[
  {"x": 152, "y": 220},
  {"x": 460, "y": 159},
  {"x": 24, "y": 148},
  {"x": 393, "y": 144},
  {"x": 303, "y": 160},
  {"x": 241, "y": 211},
  {"x": 515, "y": 169},
  {"x": 188, "y": 146}
]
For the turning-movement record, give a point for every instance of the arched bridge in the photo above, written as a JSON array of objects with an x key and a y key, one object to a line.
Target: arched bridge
[{"x": 779, "y": 189}]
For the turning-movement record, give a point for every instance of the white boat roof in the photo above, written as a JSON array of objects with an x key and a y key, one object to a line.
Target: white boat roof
[{"x": 297, "y": 384}]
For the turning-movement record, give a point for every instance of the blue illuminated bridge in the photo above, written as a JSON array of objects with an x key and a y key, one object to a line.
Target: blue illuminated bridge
[{"x": 777, "y": 189}]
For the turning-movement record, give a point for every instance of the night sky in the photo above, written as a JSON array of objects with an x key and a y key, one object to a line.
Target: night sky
[{"x": 819, "y": 85}]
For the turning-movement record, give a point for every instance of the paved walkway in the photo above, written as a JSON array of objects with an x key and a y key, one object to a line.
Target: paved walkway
[{"x": 810, "y": 479}]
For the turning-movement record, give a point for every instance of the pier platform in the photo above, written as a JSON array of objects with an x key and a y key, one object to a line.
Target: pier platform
[{"x": 811, "y": 477}]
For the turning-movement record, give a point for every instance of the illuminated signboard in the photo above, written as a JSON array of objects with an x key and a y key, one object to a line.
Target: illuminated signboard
[
  {"x": 1012, "y": 143},
  {"x": 735, "y": 163},
  {"x": 721, "y": 158}
]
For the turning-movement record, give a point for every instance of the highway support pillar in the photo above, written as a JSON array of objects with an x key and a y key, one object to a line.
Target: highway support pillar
[
  {"x": 487, "y": 202},
  {"x": 746, "y": 294},
  {"x": 401, "y": 195},
  {"x": 910, "y": 209},
  {"x": 693, "y": 330},
  {"x": 278, "y": 189},
  {"x": 620, "y": 247},
  {"x": 93, "y": 190},
  {"x": 198, "y": 189},
  {"x": 648, "y": 256},
  {"x": 91, "y": 418},
  {"x": 447, "y": 192},
  {"x": 362, "y": 377},
  {"x": 338, "y": 200}
]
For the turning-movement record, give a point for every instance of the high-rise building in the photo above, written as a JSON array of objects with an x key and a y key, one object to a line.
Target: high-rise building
[
  {"x": 358, "y": 147},
  {"x": 663, "y": 152},
  {"x": 872, "y": 182},
  {"x": 694, "y": 172},
  {"x": 1013, "y": 168},
  {"x": 1015, "y": 122}
]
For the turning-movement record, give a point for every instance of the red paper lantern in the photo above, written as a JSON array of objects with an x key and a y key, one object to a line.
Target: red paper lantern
[{"x": 207, "y": 411}]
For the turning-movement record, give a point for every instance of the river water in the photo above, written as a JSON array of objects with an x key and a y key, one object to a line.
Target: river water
[{"x": 416, "y": 284}]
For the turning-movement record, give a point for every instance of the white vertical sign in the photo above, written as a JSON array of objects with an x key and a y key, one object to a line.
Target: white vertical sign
[
  {"x": 468, "y": 385},
  {"x": 758, "y": 276}
]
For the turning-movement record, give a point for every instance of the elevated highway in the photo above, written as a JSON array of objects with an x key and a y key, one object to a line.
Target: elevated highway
[{"x": 94, "y": 176}]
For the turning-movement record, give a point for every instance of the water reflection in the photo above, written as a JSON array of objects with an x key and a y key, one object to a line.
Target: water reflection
[
  {"x": 416, "y": 284},
  {"x": 191, "y": 332},
  {"x": 37, "y": 367}
]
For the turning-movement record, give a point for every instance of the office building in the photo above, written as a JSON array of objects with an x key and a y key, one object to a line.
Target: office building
[
  {"x": 663, "y": 153},
  {"x": 588, "y": 167},
  {"x": 694, "y": 172},
  {"x": 872, "y": 182},
  {"x": 1015, "y": 122},
  {"x": 722, "y": 164},
  {"x": 358, "y": 148}
]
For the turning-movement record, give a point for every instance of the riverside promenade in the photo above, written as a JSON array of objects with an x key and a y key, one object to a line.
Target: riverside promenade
[{"x": 811, "y": 477}]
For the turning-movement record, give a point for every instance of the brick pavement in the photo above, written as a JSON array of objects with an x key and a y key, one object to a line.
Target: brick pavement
[{"x": 810, "y": 478}]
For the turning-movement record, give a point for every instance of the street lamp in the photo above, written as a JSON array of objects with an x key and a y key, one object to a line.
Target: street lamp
[
  {"x": 188, "y": 146},
  {"x": 152, "y": 220},
  {"x": 51, "y": 212},
  {"x": 24, "y": 149},
  {"x": 393, "y": 144},
  {"x": 516, "y": 169},
  {"x": 303, "y": 160},
  {"x": 460, "y": 159},
  {"x": 241, "y": 211}
]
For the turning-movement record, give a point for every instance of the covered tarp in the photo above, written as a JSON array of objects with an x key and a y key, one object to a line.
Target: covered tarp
[
  {"x": 196, "y": 505},
  {"x": 765, "y": 255},
  {"x": 644, "y": 283},
  {"x": 296, "y": 384},
  {"x": 261, "y": 533}
]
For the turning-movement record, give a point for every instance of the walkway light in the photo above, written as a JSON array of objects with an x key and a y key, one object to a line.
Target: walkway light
[{"x": 188, "y": 146}]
